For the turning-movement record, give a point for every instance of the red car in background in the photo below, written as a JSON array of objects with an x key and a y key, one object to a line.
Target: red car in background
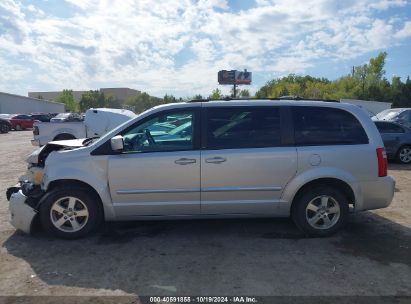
[{"x": 21, "y": 121}]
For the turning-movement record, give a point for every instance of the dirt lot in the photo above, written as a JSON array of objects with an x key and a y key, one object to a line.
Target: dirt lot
[{"x": 372, "y": 256}]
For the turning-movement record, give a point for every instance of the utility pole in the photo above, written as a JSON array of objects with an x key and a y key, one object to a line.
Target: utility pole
[{"x": 235, "y": 90}]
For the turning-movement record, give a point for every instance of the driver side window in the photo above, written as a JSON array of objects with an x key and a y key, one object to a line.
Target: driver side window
[{"x": 165, "y": 132}]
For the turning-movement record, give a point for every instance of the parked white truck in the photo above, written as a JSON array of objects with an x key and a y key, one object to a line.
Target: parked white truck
[{"x": 96, "y": 123}]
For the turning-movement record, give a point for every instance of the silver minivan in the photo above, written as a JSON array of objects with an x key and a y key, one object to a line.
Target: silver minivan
[{"x": 312, "y": 161}]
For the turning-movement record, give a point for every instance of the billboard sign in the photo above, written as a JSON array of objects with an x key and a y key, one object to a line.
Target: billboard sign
[{"x": 234, "y": 77}]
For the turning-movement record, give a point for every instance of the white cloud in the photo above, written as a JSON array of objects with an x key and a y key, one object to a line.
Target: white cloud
[
  {"x": 405, "y": 32},
  {"x": 136, "y": 43}
]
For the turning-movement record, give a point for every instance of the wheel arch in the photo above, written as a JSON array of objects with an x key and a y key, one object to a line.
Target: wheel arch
[
  {"x": 79, "y": 184},
  {"x": 64, "y": 136},
  {"x": 325, "y": 181}
]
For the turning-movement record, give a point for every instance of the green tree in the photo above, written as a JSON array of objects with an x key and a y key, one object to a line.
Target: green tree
[
  {"x": 216, "y": 94},
  {"x": 244, "y": 93},
  {"x": 101, "y": 100},
  {"x": 368, "y": 82},
  {"x": 143, "y": 102},
  {"x": 169, "y": 98},
  {"x": 89, "y": 100},
  {"x": 66, "y": 97},
  {"x": 112, "y": 102}
]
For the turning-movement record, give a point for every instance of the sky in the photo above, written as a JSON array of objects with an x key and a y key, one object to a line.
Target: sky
[{"x": 178, "y": 46}]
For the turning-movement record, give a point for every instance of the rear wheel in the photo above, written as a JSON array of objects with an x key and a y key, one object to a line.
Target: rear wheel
[
  {"x": 18, "y": 127},
  {"x": 320, "y": 211},
  {"x": 70, "y": 213},
  {"x": 404, "y": 155}
]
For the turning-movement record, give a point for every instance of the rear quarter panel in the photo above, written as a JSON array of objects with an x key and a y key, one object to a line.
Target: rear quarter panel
[{"x": 352, "y": 164}]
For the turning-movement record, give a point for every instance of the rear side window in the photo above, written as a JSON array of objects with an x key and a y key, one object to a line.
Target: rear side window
[
  {"x": 384, "y": 127},
  {"x": 22, "y": 117},
  {"x": 243, "y": 127},
  {"x": 405, "y": 115},
  {"x": 326, "y": 126}
]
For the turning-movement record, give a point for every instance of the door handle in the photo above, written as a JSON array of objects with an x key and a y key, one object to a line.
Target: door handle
[
  {"x": 185, "y": 161},
  {"x": 215, "y": 160}
]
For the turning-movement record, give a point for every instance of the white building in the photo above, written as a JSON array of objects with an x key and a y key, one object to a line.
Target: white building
[
  {"x": 121, "y": 94},
  {"x": 16, "y": 104}
]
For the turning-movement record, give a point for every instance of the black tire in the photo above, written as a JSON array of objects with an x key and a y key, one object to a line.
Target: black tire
[
  {"x": 301, "y": 213},
  {"x": 18, "y": 127},
  {"x": 64, "y": 136},
  {"x": 4, "y": 128},
  {"x": 83, "y": 198},
  {"x": 401, "y": 159}
]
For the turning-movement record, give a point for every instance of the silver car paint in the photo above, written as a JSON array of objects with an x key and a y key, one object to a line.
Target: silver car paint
[
  {"x": 248, "y": 181},
  {"x": 354, "y": 164},
  {"x": 154, "y": 184},
  {"x": 21, "y": 214}
]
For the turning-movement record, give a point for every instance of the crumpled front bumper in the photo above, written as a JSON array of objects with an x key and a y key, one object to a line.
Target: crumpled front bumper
[{"x": 22, "y": 215}]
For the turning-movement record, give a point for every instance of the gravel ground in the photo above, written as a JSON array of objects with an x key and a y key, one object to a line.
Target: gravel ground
[{"x": 372, "y": 256}]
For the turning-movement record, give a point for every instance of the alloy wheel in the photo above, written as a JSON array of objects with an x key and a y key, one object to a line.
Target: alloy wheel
[
  {"x": 322, "y": 212},
  {"x": 69, "y": 214},
  {"x": 405, "y": 155}
]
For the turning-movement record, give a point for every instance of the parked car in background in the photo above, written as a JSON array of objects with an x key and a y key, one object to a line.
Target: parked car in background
[
  {"x": 21, "y": 122},
  {"x": 5, "y": 125},
  {"x": 96, "y": 123},
  {"x": 5, "y": 116},
  {"x": 67, "y": 117},
  {"x": 311, "y": 161},
  {"x": 397, "y": 140},
  {"x": 43, "y": 117},
  {"x": 398, "y": 115}
]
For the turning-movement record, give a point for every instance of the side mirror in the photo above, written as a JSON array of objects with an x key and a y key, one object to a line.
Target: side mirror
[{"x": 117, "y": 143}]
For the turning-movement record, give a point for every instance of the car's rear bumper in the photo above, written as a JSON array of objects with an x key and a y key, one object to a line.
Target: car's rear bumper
[
  {"x": 376, "y": 194},
  {"x": 21, "y": 214}
]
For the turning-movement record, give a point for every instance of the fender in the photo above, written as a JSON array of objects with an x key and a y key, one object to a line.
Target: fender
[
  {"x": 302, "y": 179},
  {"x": 93, "y": 173}
]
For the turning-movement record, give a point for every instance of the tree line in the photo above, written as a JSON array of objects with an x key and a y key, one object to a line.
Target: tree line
[{"x": 366, "y": 82}]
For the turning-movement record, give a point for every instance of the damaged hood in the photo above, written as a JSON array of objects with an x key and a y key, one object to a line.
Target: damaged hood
[
  {"x": 39, "y": 155},
  {"x": 74, "y": 143}
]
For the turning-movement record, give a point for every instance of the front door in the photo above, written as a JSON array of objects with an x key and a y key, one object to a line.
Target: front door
[
  {"x": 244, "y": 167},
  {"x": 158, "y": 173}
]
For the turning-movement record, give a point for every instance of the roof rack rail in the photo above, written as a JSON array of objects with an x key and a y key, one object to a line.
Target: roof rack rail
[{"x": 277, "y": 98}]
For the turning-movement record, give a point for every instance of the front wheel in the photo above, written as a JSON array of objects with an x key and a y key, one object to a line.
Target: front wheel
[
  {"x": 18, "y": 127},
  {"x": 320, "y": 211},
  {"x": 70, "y": 213},
  {"x": 404, "y": 155},
  {"x": 4, "y": 128}
]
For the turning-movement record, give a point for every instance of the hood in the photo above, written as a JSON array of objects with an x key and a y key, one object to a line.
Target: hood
[
  {"x": 39, "y": 155},
  {"x": 74, "y": 143}
]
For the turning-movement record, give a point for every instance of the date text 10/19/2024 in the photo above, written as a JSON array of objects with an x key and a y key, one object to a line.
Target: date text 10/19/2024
[{"x": 203, "y": 299}]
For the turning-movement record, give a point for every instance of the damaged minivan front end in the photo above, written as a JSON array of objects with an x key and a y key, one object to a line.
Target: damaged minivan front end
[{"x": 25, "y": 197}]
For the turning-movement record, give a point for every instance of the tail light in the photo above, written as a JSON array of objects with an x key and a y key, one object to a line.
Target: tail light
[
  {"x": 382, "y": 162},
  {"x": 36, "y": 131}
]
